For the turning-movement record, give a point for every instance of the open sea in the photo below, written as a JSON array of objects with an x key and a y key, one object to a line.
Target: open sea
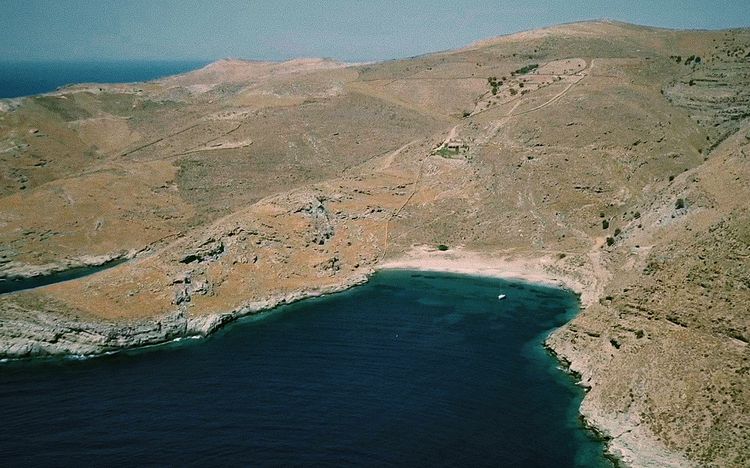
[
  {"x": 28, "y": 78},
  {"x": 410, "y": 369}
]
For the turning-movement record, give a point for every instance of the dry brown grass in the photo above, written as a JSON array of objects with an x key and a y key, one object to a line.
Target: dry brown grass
[{"x": 338, "y": 154}]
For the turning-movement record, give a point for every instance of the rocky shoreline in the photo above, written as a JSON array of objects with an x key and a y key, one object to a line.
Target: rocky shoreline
[
  {"x": 33, "y": 334},
  {"x": 623, "y": 449},
  {"x": 12, "y": 271},
  {"x": 29, "y": 334}
]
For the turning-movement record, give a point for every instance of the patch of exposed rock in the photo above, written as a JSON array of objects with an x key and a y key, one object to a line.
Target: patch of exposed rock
[
  {"x": 33, "y": 330},
  {"x": 16, "y": 270}
]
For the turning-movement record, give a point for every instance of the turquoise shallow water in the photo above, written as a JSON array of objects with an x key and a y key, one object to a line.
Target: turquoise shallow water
[{"x": 411, "y": 369}]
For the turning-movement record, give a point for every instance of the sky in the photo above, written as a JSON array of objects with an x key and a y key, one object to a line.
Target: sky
[{"x": 347, "y": 30}]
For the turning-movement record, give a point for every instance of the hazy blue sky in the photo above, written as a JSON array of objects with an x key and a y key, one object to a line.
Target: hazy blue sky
[{"x": 281, "y": 29}]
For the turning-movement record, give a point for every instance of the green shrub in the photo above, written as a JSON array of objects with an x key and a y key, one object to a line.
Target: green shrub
[
  {"x": 679, "y": 204},
  {"x": 526, "y": 69},
  {"x": 446, "y": 152},
  {"x": 605, "y": 224},
  {"x": 617, "y": 232},
  {"x": 610, "y": 241},
  {"x": 442, "y": 247}
]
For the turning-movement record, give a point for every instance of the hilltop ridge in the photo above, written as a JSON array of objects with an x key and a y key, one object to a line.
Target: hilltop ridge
[{"x": 232, "y": 70}]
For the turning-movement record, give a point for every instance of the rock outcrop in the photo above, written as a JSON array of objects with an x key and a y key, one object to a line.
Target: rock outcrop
[{"x": 29, "y": 331}]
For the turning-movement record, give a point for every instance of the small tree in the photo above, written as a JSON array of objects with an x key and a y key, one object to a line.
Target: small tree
[
  {"x": 679, "y": 204},
  {"x": 605, "y": 224}
]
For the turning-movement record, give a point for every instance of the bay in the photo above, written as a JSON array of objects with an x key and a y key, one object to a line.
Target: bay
[{"x": 410, "y": 369}]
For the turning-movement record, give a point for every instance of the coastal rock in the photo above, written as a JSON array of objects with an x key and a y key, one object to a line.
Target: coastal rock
[
  {"x": 182, "y": 295},
  {"x": 28, "y": 332},
  {"x": 32, "y": 333},
  {"x": 322, "y": 227},
  {"x": 13, "y": 270},
  {"x": 209, "y": 250}
]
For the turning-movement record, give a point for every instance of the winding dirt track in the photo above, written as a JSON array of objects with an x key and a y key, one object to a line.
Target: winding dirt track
[{"x": 491, "y": 134}]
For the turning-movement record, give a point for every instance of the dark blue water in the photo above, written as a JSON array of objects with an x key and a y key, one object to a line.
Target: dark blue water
[
  {"x": 13, "y": 285},
  {"x": 27, "y": 78},
  {"x": 407, "y": 370}
]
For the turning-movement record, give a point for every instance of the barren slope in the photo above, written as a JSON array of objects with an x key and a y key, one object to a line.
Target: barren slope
[{"x": 606, "y": 154}]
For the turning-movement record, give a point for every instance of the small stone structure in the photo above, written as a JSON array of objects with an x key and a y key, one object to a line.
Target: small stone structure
[{"x": 455, "y": 146}]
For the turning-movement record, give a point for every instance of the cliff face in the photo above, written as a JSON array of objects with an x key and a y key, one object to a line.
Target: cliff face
[
  {"x": 664, "y": 349},
  {"x": 598, "y": 148}
]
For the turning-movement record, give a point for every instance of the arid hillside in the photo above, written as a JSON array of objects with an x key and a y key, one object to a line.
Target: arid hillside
[{"x": 606, "y": 157}]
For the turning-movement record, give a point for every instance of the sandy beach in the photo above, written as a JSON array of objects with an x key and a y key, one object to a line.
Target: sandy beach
[{"x": 503, "y": 265}]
